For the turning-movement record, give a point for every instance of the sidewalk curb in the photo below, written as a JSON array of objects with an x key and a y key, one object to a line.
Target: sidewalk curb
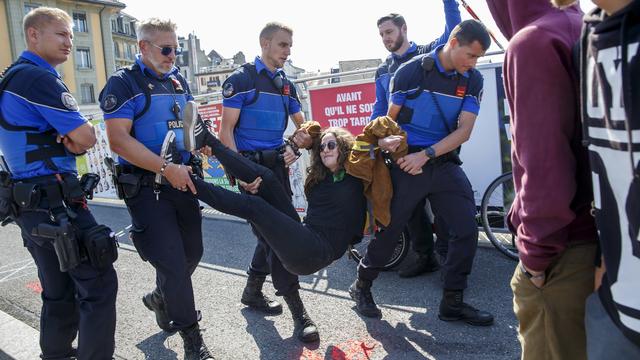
[
  {"x": 207, "y": 212},
  {"x": 18, "y": 340}
]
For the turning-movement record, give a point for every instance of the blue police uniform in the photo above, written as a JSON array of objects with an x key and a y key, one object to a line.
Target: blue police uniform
[
  {"x": 265, "y": 99},
  {"x": 167, "y": 228},
  {"x": 442, "y": 181},
  {"x": 390, "y": 65},
  {"x": 36, "y": 106},
  {"x": 419, "y": 225}
]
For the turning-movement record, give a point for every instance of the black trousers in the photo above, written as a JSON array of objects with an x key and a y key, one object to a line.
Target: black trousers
[
  {"x": 451, "y": 197},
  {"x": 79, "y": 302},
  {"x": 420, "y": 230},
  {"x": 265, "y": 261},
  {"x": 298, "y": 248},
  {"x": 167, "y": 232}
]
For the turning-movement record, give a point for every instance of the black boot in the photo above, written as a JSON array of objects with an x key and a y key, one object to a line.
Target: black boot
[
  {"x": 194, "y": 347},
  {"x": 305, "y": 327},
  {"x": 423, "y": 264},
  {"x": 154, "y": 302},
  {"x": 253, "y": 297},
  {"x": 360, "y": 291},
  {"x": 452, "y": 308}
]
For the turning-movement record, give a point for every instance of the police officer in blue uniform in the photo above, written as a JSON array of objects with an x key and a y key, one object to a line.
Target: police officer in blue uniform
[
  {"x": 435, "y": 98},
  {"x": 393, "y": 31},
  {"x": 41, "y": 131},
  {"x": 143, "y": 108},
  {"x": 258, "y": 101}
]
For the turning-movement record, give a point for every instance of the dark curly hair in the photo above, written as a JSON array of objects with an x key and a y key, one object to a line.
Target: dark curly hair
[{"x": 317, "y": 171}]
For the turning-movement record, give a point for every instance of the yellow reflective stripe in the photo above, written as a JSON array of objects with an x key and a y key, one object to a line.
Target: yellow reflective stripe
[{"x": 362, "y": 146}]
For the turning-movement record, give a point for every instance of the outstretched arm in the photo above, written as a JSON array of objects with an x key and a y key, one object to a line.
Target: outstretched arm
[{"x": 452, "y": 17}]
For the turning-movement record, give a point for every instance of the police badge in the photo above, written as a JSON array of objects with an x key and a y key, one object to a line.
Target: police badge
[
  {"x": 227, "y": 91},
  {"x": 110, "y": 102},
  {"x": 69, "y": 102}
]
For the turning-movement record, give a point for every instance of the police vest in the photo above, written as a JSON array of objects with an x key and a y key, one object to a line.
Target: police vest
[
  {"x": 159, "y": 115},
  {"x": 27, "y": 149},
  {"x": 263, "y": 121},
  {"x": 433, "y": 125}
]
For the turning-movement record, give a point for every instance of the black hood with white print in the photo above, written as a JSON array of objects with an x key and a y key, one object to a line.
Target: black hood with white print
[{"x": 610, "y": 86}]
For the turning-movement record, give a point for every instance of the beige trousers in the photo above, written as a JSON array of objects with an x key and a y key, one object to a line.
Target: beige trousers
[{"x": 552, "y": 318}]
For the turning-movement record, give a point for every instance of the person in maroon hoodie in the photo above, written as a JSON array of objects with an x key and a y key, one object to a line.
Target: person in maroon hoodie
[{"x": 550, "y": 214}]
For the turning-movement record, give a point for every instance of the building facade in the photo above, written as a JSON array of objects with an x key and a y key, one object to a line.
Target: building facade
[
  {"x": 192, "y": 59},
  {"x": 125, "y": 42},
  {"x": 210, "y": 79}
]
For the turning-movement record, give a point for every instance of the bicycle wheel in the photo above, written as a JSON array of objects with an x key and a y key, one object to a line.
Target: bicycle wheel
[
  {"x": 356, "y": 251},
  {"x": 494, "y": 209}
]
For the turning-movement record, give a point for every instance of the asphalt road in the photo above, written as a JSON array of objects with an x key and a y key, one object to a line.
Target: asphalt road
[{"x": 409, "y": 328}]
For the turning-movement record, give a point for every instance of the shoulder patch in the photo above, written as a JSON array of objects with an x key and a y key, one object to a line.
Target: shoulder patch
[
  {"x": 69, "y": 102},
  {"x": 227, "y": 90},
  {"x": 110, "y": 102}
]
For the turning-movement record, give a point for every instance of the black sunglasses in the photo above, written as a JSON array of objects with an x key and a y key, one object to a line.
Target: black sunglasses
[
  {"x": 329, "y": 145},
  {"x": 166, "y": 50}
]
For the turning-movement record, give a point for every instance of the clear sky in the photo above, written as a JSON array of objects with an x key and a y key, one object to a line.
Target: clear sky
[{"x": 325, "y": 31}]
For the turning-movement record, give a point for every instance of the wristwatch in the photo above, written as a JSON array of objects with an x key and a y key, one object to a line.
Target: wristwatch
[{"x": 431, "y": 153}]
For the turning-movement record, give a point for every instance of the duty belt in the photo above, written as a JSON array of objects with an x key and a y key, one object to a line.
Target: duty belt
[{"x": 267, "y": 158}]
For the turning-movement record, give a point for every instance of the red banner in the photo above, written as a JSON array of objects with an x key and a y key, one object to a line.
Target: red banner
[
  {"x": 347, "y": 106},
  {"x": 212, "y": 112}
]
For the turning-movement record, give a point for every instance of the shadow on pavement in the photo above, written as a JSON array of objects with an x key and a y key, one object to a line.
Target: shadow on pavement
[
  {"x": 154, "y": 347},
  {"x": 269, "y": 341}
]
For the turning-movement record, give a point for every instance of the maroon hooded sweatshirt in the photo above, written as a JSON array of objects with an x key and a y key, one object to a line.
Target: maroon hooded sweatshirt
[{"x": 550, "y": 166}]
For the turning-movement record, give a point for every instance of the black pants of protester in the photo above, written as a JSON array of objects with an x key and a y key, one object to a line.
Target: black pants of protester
[
  {"x": 167, "y": 232},
  {"x": 449, "y": 192},
  {"x": 265, "y": 261},
  {"x": 81, "y": 301},
  {"x": 300, "y": 249}
]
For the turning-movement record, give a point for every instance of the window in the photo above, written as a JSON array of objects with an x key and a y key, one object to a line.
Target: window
[
  {"x": 133, "y": 28},
  {"x": 114, "y": 26},
  {"x": 203, "y": 81},
  {"x": 127, "y": 29},
  {"x": 116, "y": 49},
  {"x": 28, "y": 7},
  {"x": 127, "y": 50},
  {"x": 80, "y": 22},
  {"x": 86, "y": 93},
  {"x": 83, "y": 59},
  {"x": 120, "y": 28}
]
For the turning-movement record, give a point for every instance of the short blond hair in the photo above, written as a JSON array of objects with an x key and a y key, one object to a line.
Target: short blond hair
[
  {"x": 44, "y": 15},
  {"x": 148, "y": 27},
  {"x": 273, "y": 27}
]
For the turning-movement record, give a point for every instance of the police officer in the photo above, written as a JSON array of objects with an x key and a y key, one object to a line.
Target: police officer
[
  {"x": 142, "y": 105},
  {"x": 393, "y": 31},
  {"x": 435, "y": 98},
  {"x": 41, "y": 131},
  {"x": 258, "y": 101}
]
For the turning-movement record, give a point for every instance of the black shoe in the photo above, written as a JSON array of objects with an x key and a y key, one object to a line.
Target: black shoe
[
  {"x": 360, "y": 291},
  {"x": 153, "y": 301},
  {"x": 196, "y": 134},
  {"x": 452, "y": 308},
  {"x": 253, "y": 297},
  {"x": 423, "y": 264},
  {"x": 306, "y": 329},
  {"x": 194, "y": 346}
]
